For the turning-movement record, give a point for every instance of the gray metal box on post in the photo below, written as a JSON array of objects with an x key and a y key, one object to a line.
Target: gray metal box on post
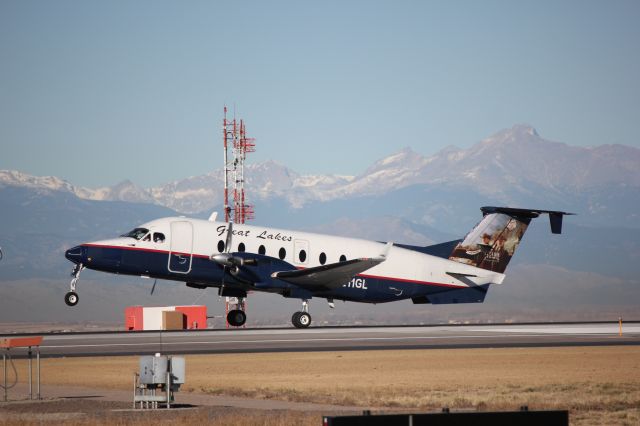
[
  {"x": 177, "y": 370},
  {"x": 153, "y": 370}
]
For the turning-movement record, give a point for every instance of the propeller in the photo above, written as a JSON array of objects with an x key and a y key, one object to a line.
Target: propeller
[
  {"x": 227, "y": 243},
  {"x": 224, "y": 258},
  {"x": 153, "y": 287},
  {"x": 228, "y": 261}
]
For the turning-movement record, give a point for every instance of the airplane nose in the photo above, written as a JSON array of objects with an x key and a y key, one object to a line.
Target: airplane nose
[{"x": 74, "y": 254}]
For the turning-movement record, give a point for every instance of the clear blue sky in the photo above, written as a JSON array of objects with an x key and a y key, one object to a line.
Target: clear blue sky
[{"x": 100, "y": 91}]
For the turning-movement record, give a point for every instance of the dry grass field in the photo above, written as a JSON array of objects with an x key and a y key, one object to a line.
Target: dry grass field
[{"x": 599, "y": 385}]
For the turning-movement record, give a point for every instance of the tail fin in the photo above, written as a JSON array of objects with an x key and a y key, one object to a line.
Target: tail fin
[{"x": 492, "y": 242}]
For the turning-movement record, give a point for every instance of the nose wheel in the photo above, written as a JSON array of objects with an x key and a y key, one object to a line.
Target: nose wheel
[
  {"x": 236, "y": 318},
  {"x": 71, "y": 298}
]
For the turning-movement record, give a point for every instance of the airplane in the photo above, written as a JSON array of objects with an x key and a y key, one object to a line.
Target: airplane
[{"x": 238, "y": 258}]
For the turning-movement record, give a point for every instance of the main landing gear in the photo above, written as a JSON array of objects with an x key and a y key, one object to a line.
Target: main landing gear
[
  {"x": 71, "y": 298},
  {"x": 302, "y": 319}
]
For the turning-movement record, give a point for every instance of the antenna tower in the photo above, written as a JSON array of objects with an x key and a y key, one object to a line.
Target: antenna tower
[{"x": 235, "y": 137}]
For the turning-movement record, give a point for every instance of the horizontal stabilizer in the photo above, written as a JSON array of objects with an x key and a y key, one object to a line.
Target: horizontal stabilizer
[{"x": 555, "y": 217}]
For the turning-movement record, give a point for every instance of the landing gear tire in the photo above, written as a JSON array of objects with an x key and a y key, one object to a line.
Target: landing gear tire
[
  {"x": 236, "y": 318},
  {"x": 71, "y": 298},
  {"x": 301, "y": 319}
]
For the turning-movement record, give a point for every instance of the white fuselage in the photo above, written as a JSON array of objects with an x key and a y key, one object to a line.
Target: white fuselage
[{"x": 401, "y": 264}]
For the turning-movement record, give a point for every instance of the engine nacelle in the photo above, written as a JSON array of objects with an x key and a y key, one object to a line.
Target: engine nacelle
[{"x": 244, "y": 274}]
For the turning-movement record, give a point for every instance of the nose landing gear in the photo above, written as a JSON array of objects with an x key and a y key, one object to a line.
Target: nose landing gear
[
  {"x": 71, "y": 298},
  {"x": 236, "y": 317},
  {"x": 302, "y": 319}
]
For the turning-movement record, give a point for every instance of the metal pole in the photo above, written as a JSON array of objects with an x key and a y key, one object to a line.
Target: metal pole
[
  {"x": 4, "y": 361},
  {"x": 620, "y": 322},
  {"x": 38, "y": 369},
  {"x": 168, "y": 385},
  {"x": 30, "y": 378},
  {"x": 226, "y": 168},
  {"x": 135, "y": 391}
]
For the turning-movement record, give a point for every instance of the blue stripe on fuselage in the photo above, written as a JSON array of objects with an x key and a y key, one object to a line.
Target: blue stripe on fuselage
[{"x": 155, "y": 264}]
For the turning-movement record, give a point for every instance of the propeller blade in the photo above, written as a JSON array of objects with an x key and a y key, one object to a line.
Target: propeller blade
[
  {"x": 153, "y": 287},
  {"x": 227, "y": 244}
]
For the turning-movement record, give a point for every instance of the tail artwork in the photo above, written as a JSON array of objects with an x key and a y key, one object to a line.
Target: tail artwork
[{"x": 492, "y": 242}]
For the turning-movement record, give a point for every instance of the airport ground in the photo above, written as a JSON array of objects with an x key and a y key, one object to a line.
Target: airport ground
[{"x": 598, "y": 384}]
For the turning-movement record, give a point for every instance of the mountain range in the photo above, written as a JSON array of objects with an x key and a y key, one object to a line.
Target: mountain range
[
  {"x": 512, "y": 164},
  {"x": 405, "y": 197}
]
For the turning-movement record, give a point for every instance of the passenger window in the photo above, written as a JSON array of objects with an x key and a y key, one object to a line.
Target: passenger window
[
  {"x": 302, "y": 256},
  {"x": 220, "y": 246},
  {"x": 241, "y": 247},
  {"x": 323, "y": 258},
  {"x": 282, "y": 253},
  {"x": 262, "y": 250},
  {"x": 158, "y": 237},
  {"x": 343, "y": 258}
]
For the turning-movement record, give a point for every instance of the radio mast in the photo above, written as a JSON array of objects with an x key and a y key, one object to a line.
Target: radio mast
[{"x": 235, "y": 136}]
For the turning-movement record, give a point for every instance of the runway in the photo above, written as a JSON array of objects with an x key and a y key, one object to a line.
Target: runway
[{"x": 336, "y": 338}]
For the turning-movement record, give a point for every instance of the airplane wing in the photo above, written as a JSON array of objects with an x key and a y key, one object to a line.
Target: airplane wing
[{"x": 327, "y": 277}]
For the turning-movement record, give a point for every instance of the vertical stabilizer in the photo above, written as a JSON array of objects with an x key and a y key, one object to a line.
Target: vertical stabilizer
[{"x": 492, "y": 242}]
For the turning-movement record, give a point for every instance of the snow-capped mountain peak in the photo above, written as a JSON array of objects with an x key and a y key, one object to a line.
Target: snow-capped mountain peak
[
  {"x": 515, "y": 159},
  {"x": 16, "y": 178},
  {"x": 406, "y": 158}
]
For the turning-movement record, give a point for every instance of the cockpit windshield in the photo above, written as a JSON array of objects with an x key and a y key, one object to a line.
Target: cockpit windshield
[{"x": 137, "y": 233}]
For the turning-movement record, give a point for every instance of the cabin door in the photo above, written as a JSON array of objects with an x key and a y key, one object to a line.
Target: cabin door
[{"x": 181, "y": 247}]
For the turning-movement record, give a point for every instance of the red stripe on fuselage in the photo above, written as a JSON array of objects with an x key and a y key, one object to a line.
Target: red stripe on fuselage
[
  {"x": 145, "y": 249},
  {"x": 405, "y": 280}
]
